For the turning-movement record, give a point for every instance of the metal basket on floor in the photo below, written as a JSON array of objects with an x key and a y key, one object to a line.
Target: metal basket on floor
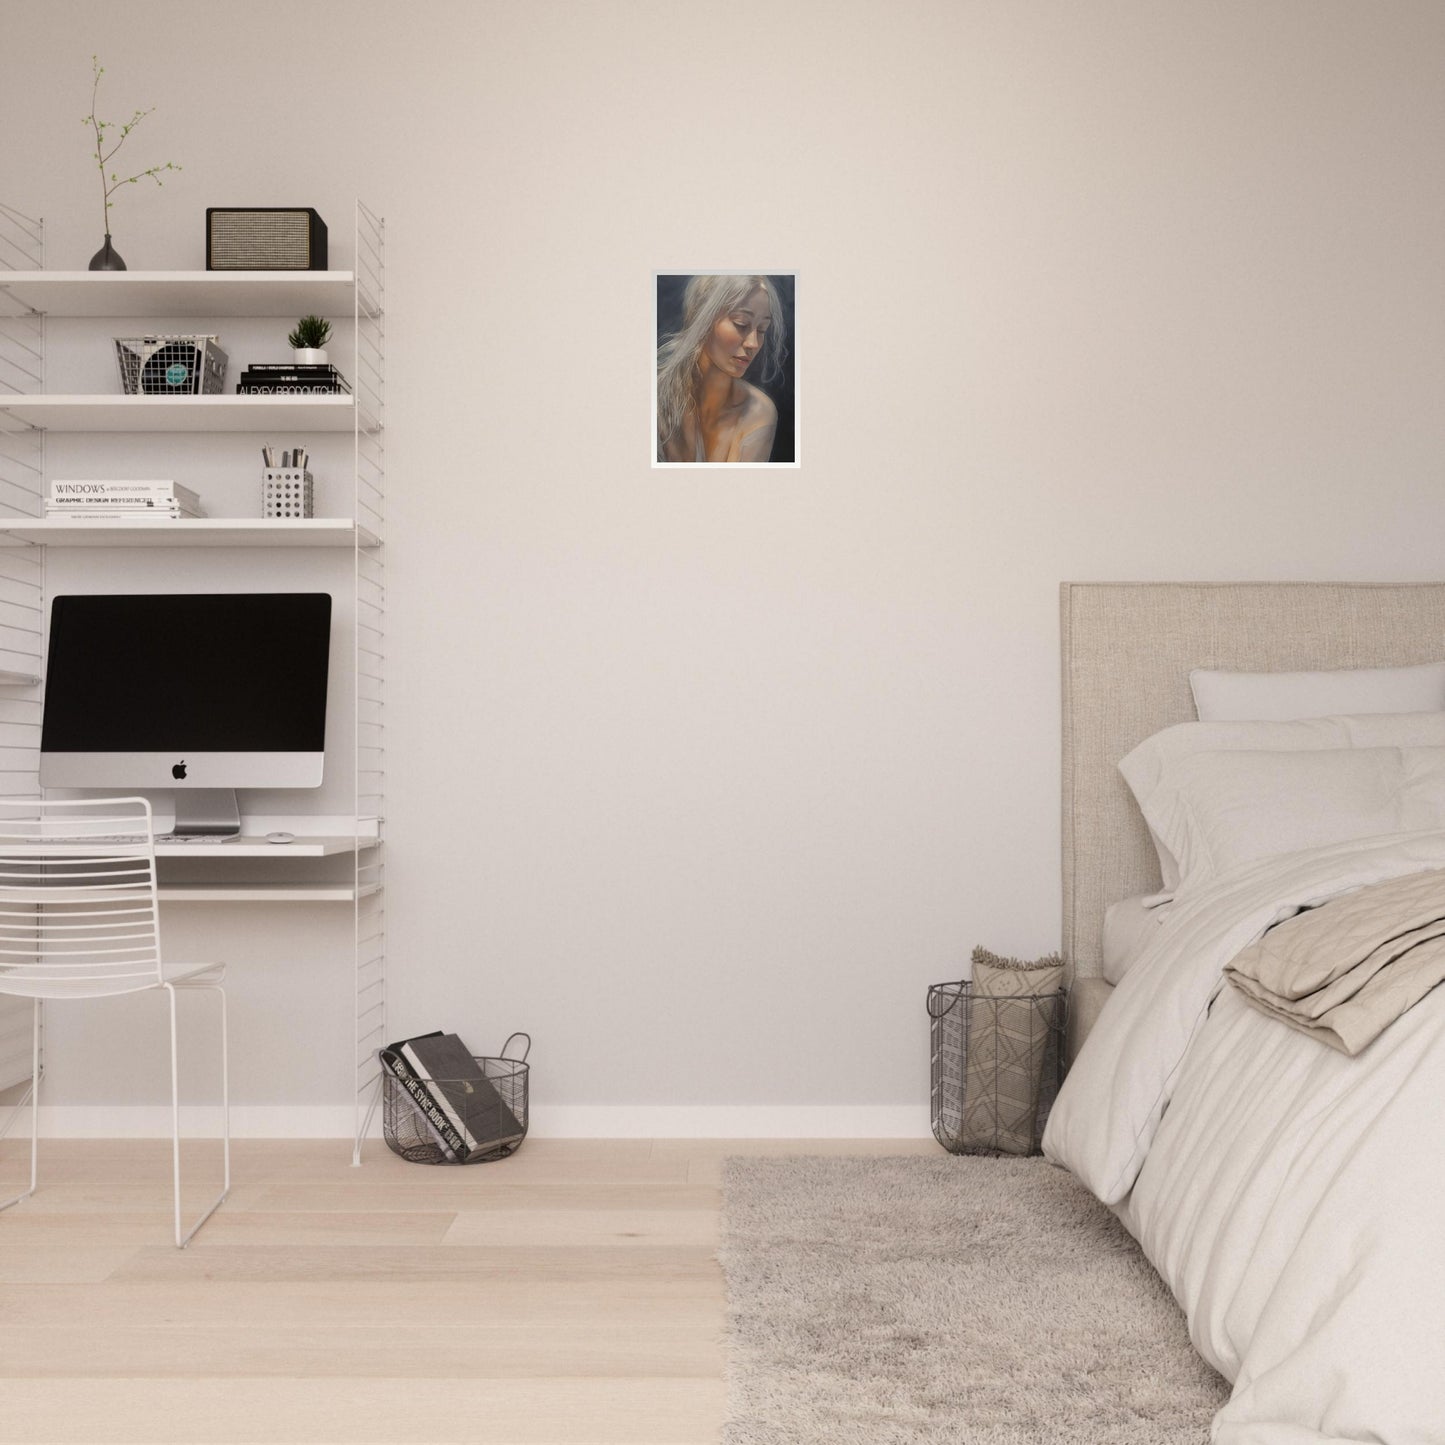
[
  {"x": 407, "y": 1131},
  {"x": 997, "y": 1064}
]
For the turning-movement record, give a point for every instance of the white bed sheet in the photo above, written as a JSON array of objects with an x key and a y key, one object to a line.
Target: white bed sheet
[{"x": 1292, "y": 1198}]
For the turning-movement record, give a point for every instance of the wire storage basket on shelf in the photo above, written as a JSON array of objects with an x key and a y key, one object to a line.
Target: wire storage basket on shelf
[
  {"x": 489, "y": 1110},
  {"x": 997, "y": 1064},
  {"x": 170, "y": 365}
]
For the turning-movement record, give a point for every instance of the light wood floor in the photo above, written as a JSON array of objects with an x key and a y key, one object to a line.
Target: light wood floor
[{"x": 569, "y": 1295}]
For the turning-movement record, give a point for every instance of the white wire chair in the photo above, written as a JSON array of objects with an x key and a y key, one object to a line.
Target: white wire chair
[{"x": 79, "y": 919}]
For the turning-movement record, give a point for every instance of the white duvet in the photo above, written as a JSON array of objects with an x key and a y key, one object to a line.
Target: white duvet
[{"x": 1293, "y": 1198}]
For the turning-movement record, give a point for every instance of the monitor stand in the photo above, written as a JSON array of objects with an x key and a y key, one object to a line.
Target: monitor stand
[{"x": 207, "y": 813}]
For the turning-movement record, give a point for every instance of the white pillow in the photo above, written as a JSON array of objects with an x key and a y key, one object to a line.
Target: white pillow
[
  {"x": 1215, "y": 811},
  {"x": 1144, "y": 768},
  {"x": 1277, "y": 696}
]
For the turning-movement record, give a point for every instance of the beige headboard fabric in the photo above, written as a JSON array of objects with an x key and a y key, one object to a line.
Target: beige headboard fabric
[{"x": 1127, "y": 651}]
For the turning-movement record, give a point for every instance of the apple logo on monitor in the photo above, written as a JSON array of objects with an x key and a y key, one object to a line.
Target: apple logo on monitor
[{"x": 179, "y": 771}]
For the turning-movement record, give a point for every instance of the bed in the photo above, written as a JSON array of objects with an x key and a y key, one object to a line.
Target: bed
[{"x": 1291, "y": 1196}]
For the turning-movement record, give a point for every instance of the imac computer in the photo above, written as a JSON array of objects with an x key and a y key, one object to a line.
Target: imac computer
[{"x": 199, "y": 693}]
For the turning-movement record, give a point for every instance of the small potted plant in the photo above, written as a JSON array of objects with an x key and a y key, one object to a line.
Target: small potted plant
[{"x": 309, "y": 339}]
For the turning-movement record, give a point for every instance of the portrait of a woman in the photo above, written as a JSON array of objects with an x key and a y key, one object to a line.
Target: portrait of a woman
[{"x": 724, "y": 382}]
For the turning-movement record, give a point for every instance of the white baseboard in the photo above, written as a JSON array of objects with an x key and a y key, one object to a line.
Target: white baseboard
[{"x": 553, "y": 1121}]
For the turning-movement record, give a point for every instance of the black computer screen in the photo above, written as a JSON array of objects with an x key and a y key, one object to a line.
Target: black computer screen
[{"x": 187, "y": 672}]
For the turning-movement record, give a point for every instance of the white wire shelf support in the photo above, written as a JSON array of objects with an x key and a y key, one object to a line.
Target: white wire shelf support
[
  {"x": 22, "y": 240},
  {"x": 22, "y": 576},
  {"x": 368, "y": 372}
]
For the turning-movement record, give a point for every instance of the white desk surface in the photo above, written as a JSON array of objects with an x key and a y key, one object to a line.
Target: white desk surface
[
  {"x": 224, "y": 890},
  {"x": 247, "y": 846}
]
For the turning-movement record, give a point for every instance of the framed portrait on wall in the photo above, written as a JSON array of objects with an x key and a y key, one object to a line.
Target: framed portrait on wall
[{"x": 725, "y": 387}]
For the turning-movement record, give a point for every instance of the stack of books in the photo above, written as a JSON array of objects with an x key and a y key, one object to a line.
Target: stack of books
[
  {"x": 90, "y": 500},
  {"x": 290, "y": 379},
  {"x": 460, "y": 1106}
]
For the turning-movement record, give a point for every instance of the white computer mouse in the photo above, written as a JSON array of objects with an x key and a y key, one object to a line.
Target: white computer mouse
[{"x": 280, "y": 837}]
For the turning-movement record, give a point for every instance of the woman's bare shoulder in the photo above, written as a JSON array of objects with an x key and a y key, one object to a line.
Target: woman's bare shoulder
[{"x": 758, "y": 408}]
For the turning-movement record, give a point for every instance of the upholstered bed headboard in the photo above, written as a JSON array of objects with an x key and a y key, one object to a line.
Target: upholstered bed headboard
[{"x": 1127, "y": 651}]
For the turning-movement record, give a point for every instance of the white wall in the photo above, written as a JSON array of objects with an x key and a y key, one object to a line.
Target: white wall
[{"x": 702, "y": 778}]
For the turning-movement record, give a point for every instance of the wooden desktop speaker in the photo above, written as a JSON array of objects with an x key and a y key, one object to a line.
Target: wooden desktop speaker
[{"x": 265, "y": 238}]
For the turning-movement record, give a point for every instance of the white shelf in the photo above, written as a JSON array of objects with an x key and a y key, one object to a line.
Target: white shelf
[
  {"x": 182, "y": 293},
  {"x": 260, "y": 892},
  {"x": 222, "y": 413},
  {"x": 187, "y": 532},
  {"x": 317, "y": 846}
]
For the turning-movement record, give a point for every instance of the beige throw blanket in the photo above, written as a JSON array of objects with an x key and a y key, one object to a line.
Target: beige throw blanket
[{"x": 1345, "y": 971}]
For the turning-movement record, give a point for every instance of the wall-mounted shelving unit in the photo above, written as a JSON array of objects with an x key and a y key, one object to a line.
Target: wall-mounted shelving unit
[{"x": 29, "y": 296}]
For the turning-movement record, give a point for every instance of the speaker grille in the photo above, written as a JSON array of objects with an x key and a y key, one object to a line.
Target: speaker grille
[{"x": 266, "y": 241}]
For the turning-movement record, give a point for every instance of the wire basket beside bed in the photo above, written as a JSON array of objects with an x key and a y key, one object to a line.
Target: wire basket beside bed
[{"x": 997, "y": 1064}]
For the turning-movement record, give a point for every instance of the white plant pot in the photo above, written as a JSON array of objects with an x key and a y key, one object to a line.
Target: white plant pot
[{"x": 309, "y": 356}]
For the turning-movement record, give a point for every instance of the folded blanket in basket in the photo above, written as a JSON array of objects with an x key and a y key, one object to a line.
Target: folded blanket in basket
[
  {"x": 1008, "y": 1038},
  {"x": 1345, "y": 971}
]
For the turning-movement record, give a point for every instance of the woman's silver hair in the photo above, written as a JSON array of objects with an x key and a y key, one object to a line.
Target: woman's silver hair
[{"x": 703, "y": 301}]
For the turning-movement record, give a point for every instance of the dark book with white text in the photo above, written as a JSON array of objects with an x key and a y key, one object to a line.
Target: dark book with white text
[
  {"x": 473, "y": 1106},
  {"x": 428, "y": 1109}
]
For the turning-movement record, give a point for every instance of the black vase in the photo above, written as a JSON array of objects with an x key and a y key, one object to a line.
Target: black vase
[{"x": 107, "y": 258}]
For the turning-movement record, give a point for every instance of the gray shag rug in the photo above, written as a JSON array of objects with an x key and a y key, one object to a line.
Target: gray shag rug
[{"x": 972, "y": 1301}]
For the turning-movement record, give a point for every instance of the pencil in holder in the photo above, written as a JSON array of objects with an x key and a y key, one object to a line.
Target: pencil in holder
[{"x": 286, "y": 492}]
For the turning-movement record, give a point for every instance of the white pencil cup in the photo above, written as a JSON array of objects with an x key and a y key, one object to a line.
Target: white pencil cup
[{"x": 286, "y": 492}]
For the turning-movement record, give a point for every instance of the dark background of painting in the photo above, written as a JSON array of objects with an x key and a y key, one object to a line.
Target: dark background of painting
[{"x": 669, "y": 319}]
